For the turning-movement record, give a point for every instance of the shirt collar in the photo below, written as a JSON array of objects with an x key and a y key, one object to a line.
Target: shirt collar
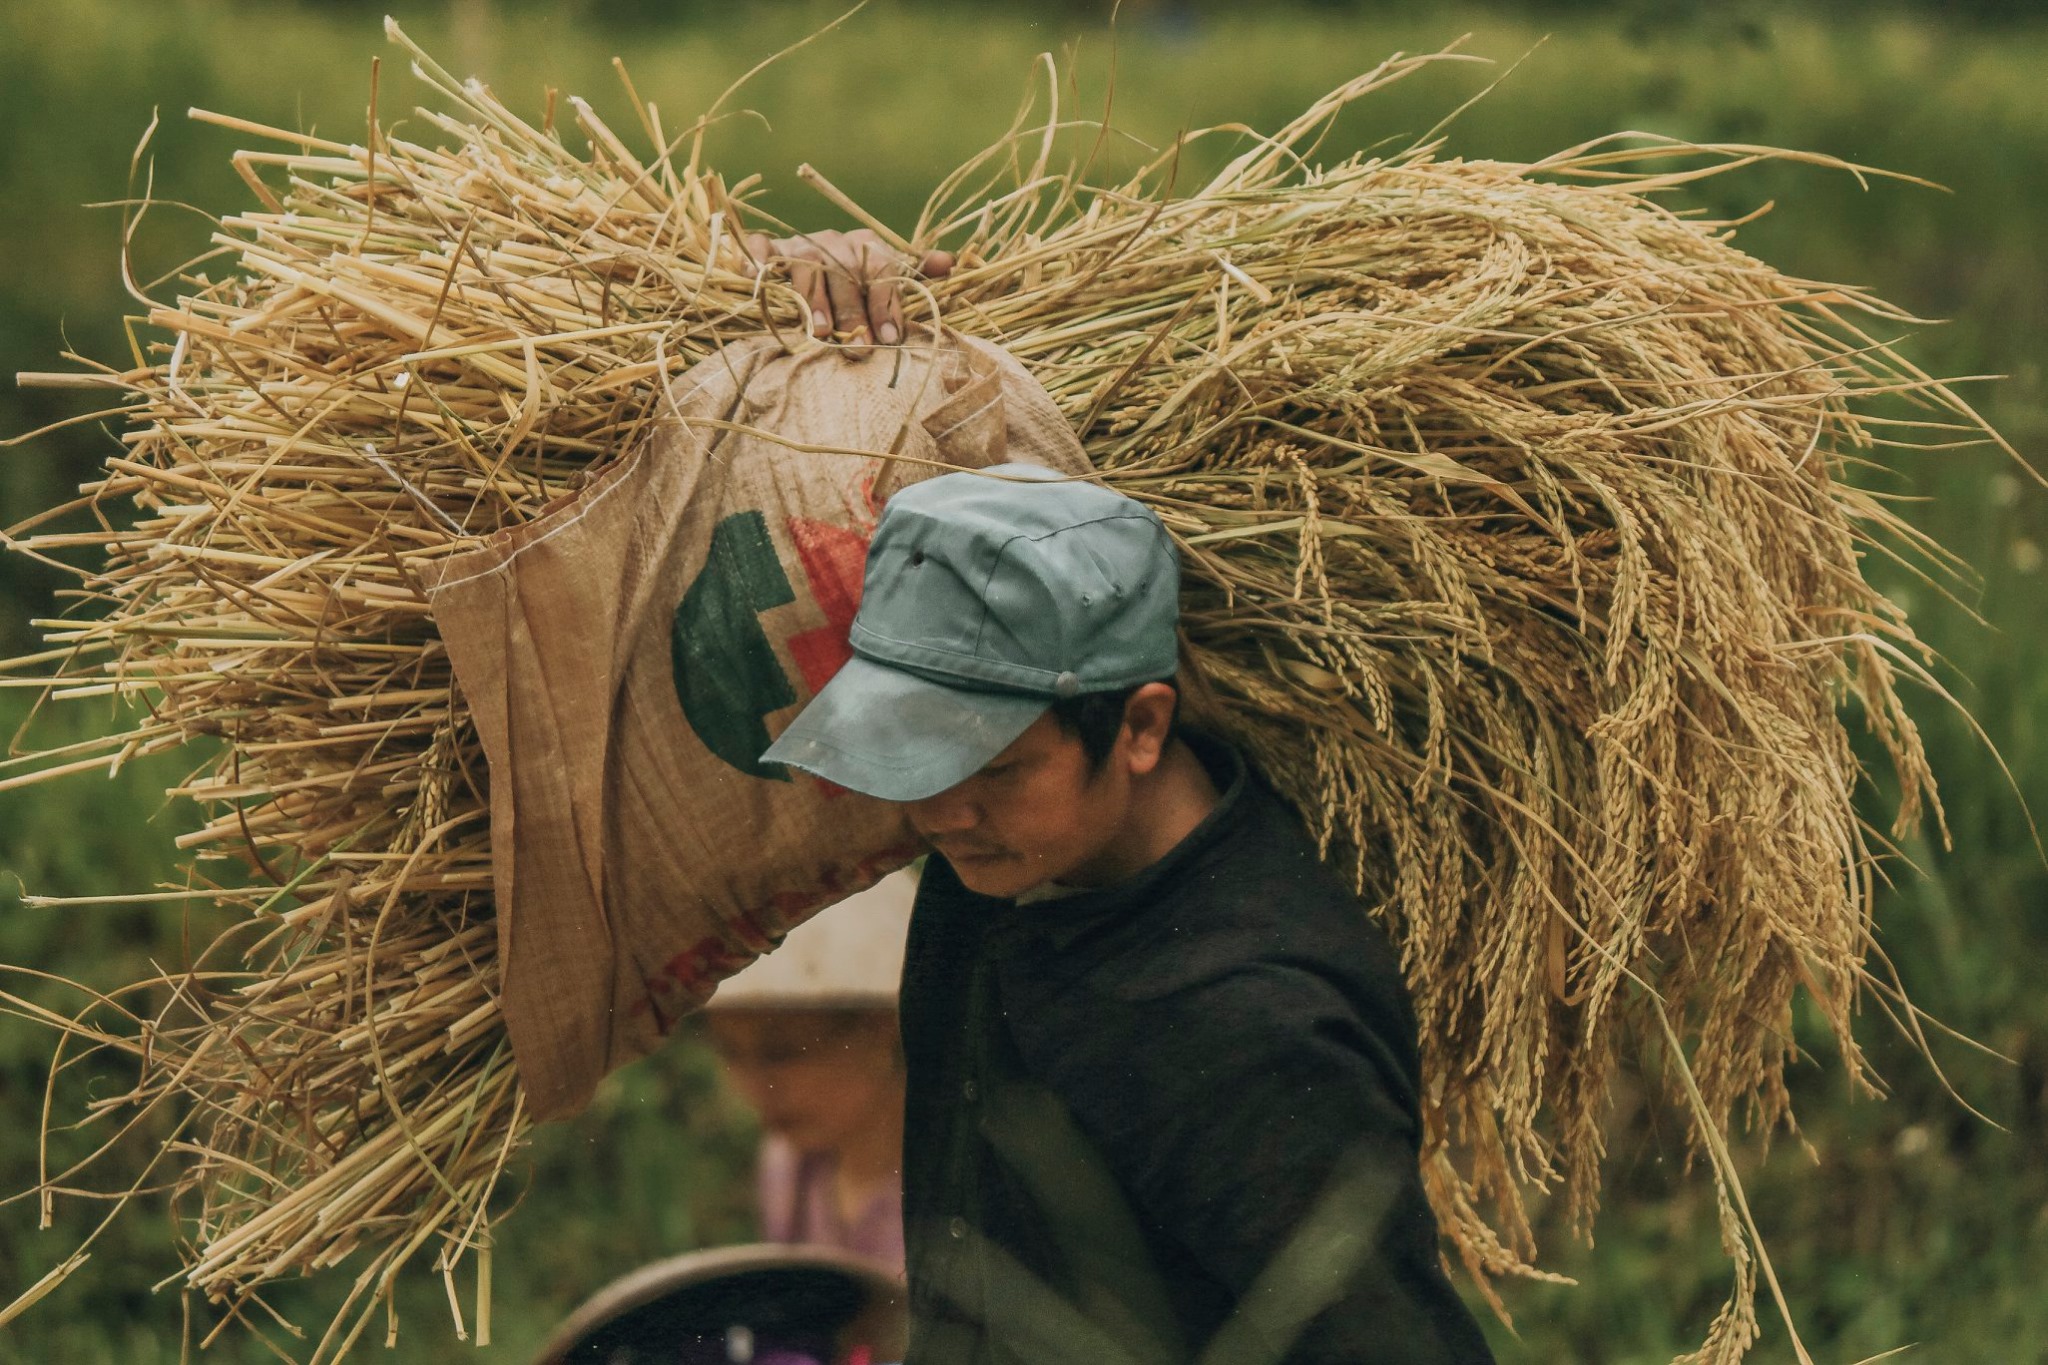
[{"x": 1063, "y": 919}]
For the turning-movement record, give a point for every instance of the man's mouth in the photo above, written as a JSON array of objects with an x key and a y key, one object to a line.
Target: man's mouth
[{"x": 970, "y": 855}]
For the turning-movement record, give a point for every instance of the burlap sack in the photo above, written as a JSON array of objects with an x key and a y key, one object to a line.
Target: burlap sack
[{"x": 629, "y": 653}]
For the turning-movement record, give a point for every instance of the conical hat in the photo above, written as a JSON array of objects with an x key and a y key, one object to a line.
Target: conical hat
[
  {"x": 849, "y": 954},
  {"x": 816, "y": 1295}
]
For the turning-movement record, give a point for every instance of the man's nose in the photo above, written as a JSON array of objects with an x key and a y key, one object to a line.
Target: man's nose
[{"x": 946, "y": 813}]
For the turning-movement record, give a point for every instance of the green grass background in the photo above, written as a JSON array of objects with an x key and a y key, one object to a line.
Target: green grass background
[{"x": 1908, "y": 1221}]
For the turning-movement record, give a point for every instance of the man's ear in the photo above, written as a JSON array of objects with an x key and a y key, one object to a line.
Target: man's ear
[{"x": 1148, "y": 721}]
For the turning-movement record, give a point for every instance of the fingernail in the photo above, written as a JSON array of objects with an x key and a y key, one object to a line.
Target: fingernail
[
  {"x": 821, "y": 323},
  {"x": 887, "y": 333}
]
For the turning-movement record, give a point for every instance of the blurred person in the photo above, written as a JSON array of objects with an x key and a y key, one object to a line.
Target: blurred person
[{"x": 808, "y": 1036}]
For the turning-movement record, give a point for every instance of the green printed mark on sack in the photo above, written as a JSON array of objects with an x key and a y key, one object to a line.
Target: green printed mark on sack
[{"x": 726, "y": 672}]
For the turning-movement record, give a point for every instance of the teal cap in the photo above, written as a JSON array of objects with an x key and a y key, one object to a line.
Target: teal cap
[{"x": 988, "y": 595}]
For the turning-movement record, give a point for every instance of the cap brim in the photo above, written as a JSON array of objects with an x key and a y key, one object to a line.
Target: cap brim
[{"x": 894, "y": 735}]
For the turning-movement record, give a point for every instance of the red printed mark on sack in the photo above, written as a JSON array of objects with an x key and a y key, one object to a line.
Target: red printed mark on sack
[
  {"x": 837, "y": 886},
  {"x": 834, "y": 559},
  {"x": 871, "y": 496},
  {"x": 707, "y": 961}
]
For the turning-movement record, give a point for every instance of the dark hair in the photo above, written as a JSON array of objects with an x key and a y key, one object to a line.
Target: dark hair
[{"x": 1095, "y": 718}]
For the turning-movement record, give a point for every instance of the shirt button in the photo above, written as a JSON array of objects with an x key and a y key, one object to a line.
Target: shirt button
[
  {"x": 969, "y": 1091},
  {"x": 958, "y": 1227}
]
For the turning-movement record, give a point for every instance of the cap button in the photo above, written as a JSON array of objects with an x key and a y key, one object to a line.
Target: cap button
[{"x": 1066, "y": 685}]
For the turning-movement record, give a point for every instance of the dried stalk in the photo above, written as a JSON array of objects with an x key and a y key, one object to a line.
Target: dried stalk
[{"x": 1520, "y": 553}]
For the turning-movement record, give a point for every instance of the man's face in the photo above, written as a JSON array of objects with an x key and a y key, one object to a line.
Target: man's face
[
  {"x": 1035, "y": 814},
  {"x": 817, "y": 1077}
]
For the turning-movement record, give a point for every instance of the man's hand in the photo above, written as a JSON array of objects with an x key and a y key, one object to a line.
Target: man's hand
[{"x": 851, "y": 280}]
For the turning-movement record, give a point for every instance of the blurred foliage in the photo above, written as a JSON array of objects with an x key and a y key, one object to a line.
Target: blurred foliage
[{"x": 1904, "y": 1221}]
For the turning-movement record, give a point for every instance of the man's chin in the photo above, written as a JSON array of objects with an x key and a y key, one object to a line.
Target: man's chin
[{"x": 1001, "y": 875}]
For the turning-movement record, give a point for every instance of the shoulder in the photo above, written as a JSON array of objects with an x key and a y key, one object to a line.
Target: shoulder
[
  {"x": 778, "y": 1177},
  {"x": 781, "y": 1165},
  {"x": 1269, "y": 1060},
  {"x": 1259, "y": 906},
  {"x": 1262, "y": 1027},
  {"x": 1275, "y": 1012}
]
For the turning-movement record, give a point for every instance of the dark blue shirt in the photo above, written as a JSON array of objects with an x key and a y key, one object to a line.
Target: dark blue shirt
[{"x": 1180, "y": 1106}]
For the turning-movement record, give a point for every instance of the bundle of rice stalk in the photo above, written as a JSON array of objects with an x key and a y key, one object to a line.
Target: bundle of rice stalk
[{"x": 1519, "y": 554}]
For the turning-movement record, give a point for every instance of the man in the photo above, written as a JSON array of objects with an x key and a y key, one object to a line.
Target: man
[{"x": 1162, "y": 1094}]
